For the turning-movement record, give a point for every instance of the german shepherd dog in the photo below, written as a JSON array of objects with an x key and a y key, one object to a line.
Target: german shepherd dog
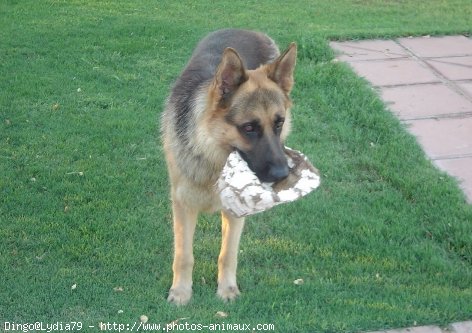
[{"x": 232, "y": 95}]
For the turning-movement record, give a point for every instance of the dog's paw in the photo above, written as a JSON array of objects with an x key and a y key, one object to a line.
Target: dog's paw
[
  {"x": 228, "y": 293},
  {"x": 179, "y": 296}
]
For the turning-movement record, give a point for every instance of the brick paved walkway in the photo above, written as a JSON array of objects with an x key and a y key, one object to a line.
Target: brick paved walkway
[
  {"x": 427, "y": 83},
  {"x": 463, "y": 327}
]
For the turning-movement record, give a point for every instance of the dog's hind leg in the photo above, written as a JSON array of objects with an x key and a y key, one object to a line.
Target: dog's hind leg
[
  {"x": 232, "y": 228},
  {"x": 184, "y": 227}
]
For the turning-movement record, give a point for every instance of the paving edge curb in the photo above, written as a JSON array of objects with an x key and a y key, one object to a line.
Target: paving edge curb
[{"x": 459, "y": 327}]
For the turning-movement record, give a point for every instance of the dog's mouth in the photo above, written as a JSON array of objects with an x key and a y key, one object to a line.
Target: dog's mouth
[{"x": 267, "y": 172}]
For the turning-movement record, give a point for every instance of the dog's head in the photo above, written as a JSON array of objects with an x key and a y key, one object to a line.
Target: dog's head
[{"x": 253, "y": 110}]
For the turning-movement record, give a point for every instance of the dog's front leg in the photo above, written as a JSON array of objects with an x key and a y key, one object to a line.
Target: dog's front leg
[
  {"x": 232, "y": 228},
  {"x": 184, "y": 227}
]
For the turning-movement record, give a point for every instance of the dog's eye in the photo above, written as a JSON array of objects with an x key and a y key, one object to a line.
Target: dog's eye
[
  {"x": 279, "y": 124},
  {"x": 249, "y": 128}
]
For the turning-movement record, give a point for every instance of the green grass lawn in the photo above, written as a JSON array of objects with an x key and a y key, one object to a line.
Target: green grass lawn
[{"x": 85, "y": 224}]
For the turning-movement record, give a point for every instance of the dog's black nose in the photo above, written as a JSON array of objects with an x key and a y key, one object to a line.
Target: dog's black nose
[{"x": 278, "y": 172}]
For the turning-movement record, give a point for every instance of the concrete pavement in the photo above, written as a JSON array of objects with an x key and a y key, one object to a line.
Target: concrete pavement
[{"x": 427, "y": 83}]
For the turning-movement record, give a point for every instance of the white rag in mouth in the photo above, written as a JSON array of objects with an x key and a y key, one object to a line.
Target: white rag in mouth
[{"x": 243, "y": 194}]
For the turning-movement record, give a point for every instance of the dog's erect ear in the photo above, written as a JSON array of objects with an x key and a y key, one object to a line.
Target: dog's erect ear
[
  {"x": 230, "y": 74},
  {"x": 281, "y": 70}
]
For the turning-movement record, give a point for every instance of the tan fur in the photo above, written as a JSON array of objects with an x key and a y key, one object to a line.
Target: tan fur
[{"x": 213, "y": 137}]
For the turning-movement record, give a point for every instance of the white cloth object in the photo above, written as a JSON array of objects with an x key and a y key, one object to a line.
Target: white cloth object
[{"x": 243, "y": 194}]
